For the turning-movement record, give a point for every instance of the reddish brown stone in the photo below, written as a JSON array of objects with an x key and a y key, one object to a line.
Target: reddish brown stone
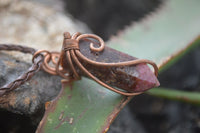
[{"x": 137, "y": 78}]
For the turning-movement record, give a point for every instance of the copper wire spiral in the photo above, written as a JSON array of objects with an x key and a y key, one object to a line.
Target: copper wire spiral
[{"x": 73, "y": 54}]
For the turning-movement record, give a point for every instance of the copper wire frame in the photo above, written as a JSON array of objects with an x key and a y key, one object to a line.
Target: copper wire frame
[{"x": 72, "y": 52}]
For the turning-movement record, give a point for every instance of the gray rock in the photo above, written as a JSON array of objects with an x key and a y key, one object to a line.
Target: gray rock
[
  {"x": 32, "y": 95},
  {"x": 35, "y": 25}
]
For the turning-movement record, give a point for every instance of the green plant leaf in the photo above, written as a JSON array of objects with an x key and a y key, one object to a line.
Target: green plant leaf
[
  {"x": 86, "y": 107},
  {"x": 178, "y": 95}
]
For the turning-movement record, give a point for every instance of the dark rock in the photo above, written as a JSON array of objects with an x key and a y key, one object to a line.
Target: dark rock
[{"x": 32, "y": 95}]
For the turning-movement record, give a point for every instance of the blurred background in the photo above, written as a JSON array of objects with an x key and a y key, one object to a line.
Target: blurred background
[{"x": 106, "y": 18}]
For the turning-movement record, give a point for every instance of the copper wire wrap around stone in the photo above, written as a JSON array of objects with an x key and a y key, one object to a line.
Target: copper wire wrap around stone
[
  {"x": 37, "y": 61},
  {"x": 71, "y": 51}
]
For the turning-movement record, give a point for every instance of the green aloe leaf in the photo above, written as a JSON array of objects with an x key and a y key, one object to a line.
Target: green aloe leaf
[
  {"x": 178, "y": 95},
  {"x": 86, "y": 107}
]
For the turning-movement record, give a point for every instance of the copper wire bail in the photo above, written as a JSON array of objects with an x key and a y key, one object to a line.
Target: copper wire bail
[{"x": 71, "y": 52}]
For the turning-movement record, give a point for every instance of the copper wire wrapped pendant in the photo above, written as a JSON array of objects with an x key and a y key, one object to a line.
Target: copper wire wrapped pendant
[{"x": 88, "y": 56}]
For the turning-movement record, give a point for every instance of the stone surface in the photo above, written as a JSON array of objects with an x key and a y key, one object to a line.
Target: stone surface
[
  {"x": 32, "y": 95},
  {"x": 36, "y": 25}
]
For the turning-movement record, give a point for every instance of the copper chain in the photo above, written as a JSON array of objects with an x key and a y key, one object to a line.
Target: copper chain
[{"x": 37, "y": 63}]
